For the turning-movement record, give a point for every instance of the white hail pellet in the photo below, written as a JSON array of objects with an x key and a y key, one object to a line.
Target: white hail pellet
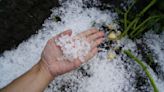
[{"x": 73, "y": 48}]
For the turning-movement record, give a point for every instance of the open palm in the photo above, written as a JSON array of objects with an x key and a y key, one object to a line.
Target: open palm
[{"x": 52, "y": 53}]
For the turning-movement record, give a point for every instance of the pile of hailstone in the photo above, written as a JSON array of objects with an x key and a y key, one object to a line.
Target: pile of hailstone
[{"x": 73, "y": 47}]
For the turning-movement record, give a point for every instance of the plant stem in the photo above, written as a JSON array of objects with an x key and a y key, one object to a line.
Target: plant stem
[
  {"x": 127, "y": 29},
  {"x": 125, "y": 20},
  {"x": 135, "y": 20},
  {"x": 138, "y": 32},
  {"x": 147, "y": 7},
  {"x": 126, "y": 14},
  {"x": 142, "y": 24},
  {"x": 135, "y": 24},
  {"x": 143, "y": 66},
  {"x": 122, "y": 21},
  {"x": 142, "y": 29}
]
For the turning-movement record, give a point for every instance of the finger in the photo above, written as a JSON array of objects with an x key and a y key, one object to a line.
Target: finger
[
  {"x": 95, "y": 36},
  {"x": 97, "y": 42},
  {"x": 88, "y": 32},
  {"x": 77, "y": 63},
  {"x": 67, "y": 32},
  {"x": 91, "y": 54}
]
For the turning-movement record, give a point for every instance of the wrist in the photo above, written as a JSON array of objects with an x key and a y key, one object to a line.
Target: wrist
[{"x": 44, "y": 71}]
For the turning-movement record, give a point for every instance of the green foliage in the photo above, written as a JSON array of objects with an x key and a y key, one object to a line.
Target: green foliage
[
  {"x": 134, "y": 25},
  {"x": 137, "y": 26},
  {"x": 144, "y": 67}
]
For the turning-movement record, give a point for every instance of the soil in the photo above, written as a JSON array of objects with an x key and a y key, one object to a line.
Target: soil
[{"x": 19, "y": 19}]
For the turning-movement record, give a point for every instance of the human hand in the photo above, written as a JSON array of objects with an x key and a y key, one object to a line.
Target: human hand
[{"x": 52, "y": 52}]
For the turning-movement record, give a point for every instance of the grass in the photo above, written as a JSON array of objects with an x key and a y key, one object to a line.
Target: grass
[{"x": 144, "y": 67}]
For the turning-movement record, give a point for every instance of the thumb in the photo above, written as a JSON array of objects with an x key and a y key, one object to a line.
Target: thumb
[{"x": 66, "y": 32}]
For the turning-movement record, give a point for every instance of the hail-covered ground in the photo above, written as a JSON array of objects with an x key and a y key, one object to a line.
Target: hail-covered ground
[{"x": 98, "y": 75}]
